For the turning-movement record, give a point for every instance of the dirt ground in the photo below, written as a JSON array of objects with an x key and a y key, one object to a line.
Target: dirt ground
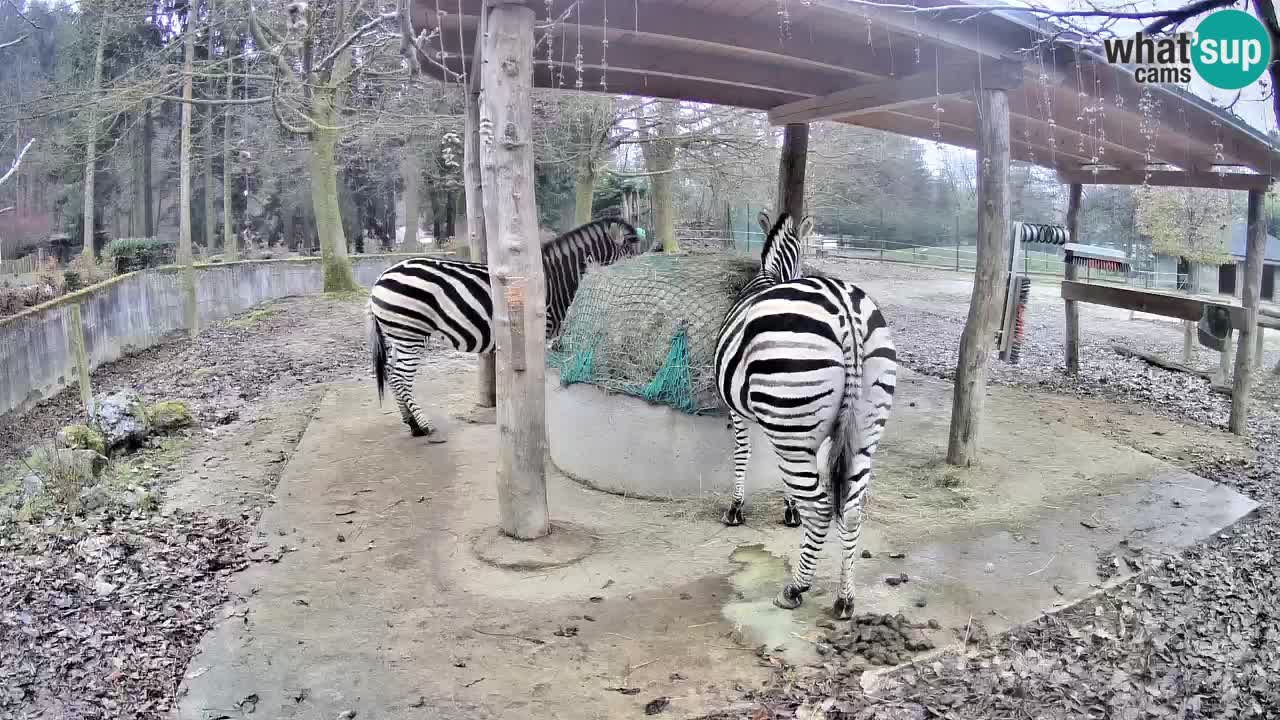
[{"x": 1155, "y": 646}]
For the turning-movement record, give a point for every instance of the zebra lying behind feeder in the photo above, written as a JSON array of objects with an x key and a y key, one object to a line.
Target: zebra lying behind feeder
[{"x": 1010, "y": 335}]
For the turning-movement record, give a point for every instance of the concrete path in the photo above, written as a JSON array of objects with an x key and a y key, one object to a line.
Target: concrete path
[{"x": 379, "y": 605}]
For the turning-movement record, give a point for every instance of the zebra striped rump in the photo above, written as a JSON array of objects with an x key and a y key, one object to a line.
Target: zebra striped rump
[
  {"x": 811, "y": 361},
  {"x": 453, "y": 299}
]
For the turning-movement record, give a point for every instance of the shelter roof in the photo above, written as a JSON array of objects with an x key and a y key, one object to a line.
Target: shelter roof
[{"x": 875, "y": 64}]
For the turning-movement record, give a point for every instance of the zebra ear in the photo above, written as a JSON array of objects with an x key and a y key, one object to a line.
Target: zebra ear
[
  {"x": 806, "y": 227},
  {"x": 766, "y": 223}
]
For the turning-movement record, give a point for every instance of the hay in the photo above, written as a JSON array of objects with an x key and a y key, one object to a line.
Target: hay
[{"x": 647, "y": 327}]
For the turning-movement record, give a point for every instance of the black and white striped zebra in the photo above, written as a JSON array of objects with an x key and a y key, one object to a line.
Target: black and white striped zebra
[
  {"x": 420, "y": 297},
  {"x": 810, "y": 360}
]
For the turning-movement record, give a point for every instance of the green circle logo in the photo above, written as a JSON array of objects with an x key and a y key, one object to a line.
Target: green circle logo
[{"x": 1232, "y": 49}]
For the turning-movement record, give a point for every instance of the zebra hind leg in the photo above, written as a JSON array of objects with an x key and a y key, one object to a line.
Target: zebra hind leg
[
  {"x": 741, "y": 456},
  {"x": 815, "y": 515},
  {"x": 849, "y": 525},
  {"x": 404, "y": 365}
]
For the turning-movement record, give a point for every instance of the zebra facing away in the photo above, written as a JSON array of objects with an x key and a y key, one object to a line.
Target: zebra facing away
[
  {"x": 811, "y": 360},
  {"x": 420, "y": 297}
]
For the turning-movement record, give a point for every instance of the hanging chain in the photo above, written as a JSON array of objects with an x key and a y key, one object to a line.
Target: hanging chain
[
  {"x": 604, "y": 49},
  {"x": 577, "y": 60}
]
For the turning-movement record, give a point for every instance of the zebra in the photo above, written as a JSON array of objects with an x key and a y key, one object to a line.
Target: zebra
[
  {"x": 420, "y": 297},
  {"x": 810, "y": 360}
]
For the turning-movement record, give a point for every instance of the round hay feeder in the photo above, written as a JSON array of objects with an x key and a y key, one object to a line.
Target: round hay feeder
[{"x": 631, "y": 400}]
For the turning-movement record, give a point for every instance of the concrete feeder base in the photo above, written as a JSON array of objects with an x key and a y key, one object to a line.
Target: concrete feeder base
[{"x": 627, "y": 446}]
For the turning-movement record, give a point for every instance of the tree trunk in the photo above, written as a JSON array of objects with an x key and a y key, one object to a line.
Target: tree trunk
[
  {"x": 1075, "y": 193},
  {"x": 515, "y": 251},
  {"x": 209, "y": 225},
  {"x": 660, "y": 158},
  {"x": 91, "y": 146},
  {"x": 433, "y": 198},
  {"x": 184, "y": 182},
  {"x": 450, "y": 211},
  {"x": 1250, "y": 297},
  {"x": 989, "y": 277},
  {"x": 149, "y": 218},
  {"x": 324, "y": 193},
  {"x": 411, "y": 171},
  {"x": 791, "y": 167},
  {"x": 138, "y": 208},
  {"x": 486, "y": 390},
  {"x": 584, "y": 189},
  {"x": 228, "y": 232}
]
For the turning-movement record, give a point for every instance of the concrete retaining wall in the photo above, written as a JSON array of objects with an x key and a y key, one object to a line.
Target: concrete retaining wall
[
  {"x": 134, "y": 311},
  {"x": 625, "y": 445}
]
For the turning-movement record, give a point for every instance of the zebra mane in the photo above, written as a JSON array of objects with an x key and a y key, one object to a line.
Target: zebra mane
[
  {"x": 780, "y": 258},
  {"x": 594, "y": 232}
]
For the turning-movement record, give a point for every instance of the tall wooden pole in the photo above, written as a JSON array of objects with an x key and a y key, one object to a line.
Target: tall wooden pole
[
  {"x": 989, "y": 276},
  {"x": 515, "y": 261},
  {"x": 791, "y": 167},
  {"x": 1070, "y": 273},
  {"x": 1250, "y": 298},
  {"x": 486, "y": 388}
]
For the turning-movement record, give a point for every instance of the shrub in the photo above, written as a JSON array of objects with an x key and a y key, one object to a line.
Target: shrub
[
  {"x": 129, "y": 254},
  {"x": 82, "y": 272}
]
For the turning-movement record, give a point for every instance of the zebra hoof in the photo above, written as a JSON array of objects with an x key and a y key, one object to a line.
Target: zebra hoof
[
  {"x": 788, "y": 599},
  {"x": 417, "y": 431},
  {"x": 732, "y": 516},
  {"x": 791, "y": 517},
  {"x": 843, "y": 609}
]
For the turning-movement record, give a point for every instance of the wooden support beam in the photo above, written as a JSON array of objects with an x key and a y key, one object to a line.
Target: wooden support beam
[
  {"x": 1180, "y": 307},
  {"x": 988, "y": 280},
  {"x": 1074, "y": 196},
  {"x": 1251, "y": 297},
  {"x": 486, "y": 380},
  {"x": 791, "y": 167},
  {"x": 1168, "y": 178},
  {"x": 894, "y": 93},
  {"x": 75, "y": 338},
  {"x": 515, "y": 260}
]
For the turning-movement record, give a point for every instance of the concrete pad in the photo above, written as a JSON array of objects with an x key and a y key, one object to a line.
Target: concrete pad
[{"x": 401, "y": 618}]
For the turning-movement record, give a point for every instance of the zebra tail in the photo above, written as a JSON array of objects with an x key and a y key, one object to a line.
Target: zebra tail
[
  {"x": 378, "y": 349},
  {"x": 845, "y": 439}
]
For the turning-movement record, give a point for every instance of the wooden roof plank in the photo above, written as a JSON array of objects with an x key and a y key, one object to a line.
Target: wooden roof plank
[
  {"x": 894, "y": 93},
  {"x": 1167, "y": 178}
]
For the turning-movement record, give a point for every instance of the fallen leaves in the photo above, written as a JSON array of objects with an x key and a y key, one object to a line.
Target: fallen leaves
[{"x": 99, "y": 617}]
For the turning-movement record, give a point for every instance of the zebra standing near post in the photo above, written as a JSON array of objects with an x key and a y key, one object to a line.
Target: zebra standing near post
[
  {"x": 426, "y": 296},
  {"x": 811, "y": 360}
]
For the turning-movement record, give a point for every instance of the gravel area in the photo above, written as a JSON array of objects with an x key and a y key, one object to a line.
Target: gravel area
[{"x": 1189, "y": 636}]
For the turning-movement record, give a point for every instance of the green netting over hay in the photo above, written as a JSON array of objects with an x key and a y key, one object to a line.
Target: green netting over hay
[{"x": 646, "y": 327}]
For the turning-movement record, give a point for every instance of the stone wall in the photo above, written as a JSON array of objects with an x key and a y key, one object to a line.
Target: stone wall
[{"x": 134, "y": 311}]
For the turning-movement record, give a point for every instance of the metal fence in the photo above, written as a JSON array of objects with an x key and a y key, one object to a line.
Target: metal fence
[{"x": 945, "y": 257}]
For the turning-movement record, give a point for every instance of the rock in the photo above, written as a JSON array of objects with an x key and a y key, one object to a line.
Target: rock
[
  {"x": 65, "y": 466},
  {"x": 169, "y": 415},
  {"x": 94, "y": 498},
  {"x": 82, "y": 437},
  {"x": 121, "y": 417},
  {"x": 32, "y": 486}
]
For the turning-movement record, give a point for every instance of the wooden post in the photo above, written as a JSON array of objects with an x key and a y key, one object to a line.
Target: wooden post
[
  {"x": 1250, "y": 299},
  {"x": 1224, "y": 362},
  {"x": 515, "y": 260},
  {"x": 486, "y": 387},
  {"x": 75, "y": 338},
  {"x": 988, "y": 279},
  {"x": 1188, "y": 340},
  {"x": 791, "y": 167},
  {"x": 1076, "y": 192},
  {"x": 1259, "y": 348}
]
